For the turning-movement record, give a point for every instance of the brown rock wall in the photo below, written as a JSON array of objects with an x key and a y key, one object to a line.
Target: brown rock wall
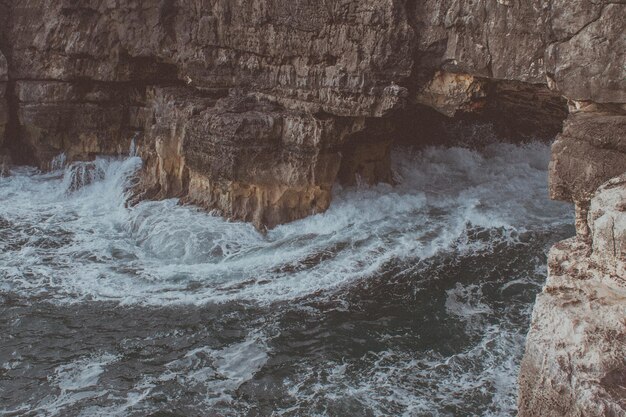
[
  {"x": 240, "y": 145},
  {"x": 4, "y": 109},
  {"x": 308, "y": 76},
  {"x": 339, "y": 56},
  {"x": 5, "y": 159}
]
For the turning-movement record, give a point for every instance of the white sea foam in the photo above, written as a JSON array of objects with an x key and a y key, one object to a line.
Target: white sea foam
[
  {"x": 58, "y": 162},
  {"x": 406, "y": 383},
  {"x": 68, "y": 236},
  {"x": 214, "y": 374},
  {"x": 71, "y": 383},
  {"x": 82, "y": 373},
  {"x": 466, "y": 301},
  {"x": 87, "y": 245},
  {"x": 219, "y": 373}
]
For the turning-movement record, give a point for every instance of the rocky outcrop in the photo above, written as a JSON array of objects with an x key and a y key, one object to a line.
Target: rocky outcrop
[
  {"x": 225, "y": 153},
  {"x": 591, "y": 149},
  {"x": 575, "y": 360},
  {"x": 255, "y": 108}
]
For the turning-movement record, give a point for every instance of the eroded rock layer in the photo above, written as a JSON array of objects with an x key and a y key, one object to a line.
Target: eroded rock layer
[
  {"x": 88, "y": 77},
  {"x": 575, "y": 360}
]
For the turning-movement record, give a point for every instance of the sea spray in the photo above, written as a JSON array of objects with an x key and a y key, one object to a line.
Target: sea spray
[
  {"x": 58, "y": 162},
  {"x": 399, "y": 300},
  {"x": 445, "y": 194}
]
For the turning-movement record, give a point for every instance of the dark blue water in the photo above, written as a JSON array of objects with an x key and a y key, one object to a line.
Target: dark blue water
[{"x": 408, "y": 300}]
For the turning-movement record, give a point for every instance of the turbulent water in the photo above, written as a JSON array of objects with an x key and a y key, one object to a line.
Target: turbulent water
[{"x": 409, "y": 300}]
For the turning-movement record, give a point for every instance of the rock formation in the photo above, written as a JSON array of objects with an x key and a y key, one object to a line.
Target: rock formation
[
  {"x": 4, "y": 116},
  {"x": 255, "y": 108},
  {"x": 575, "y": 361}
]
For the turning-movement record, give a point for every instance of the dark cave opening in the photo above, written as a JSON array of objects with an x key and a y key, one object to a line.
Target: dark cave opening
[{"x": 506, "y": 111}]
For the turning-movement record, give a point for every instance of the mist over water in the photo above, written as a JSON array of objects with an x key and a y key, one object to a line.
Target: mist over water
[{"x": 406, "y": 300}]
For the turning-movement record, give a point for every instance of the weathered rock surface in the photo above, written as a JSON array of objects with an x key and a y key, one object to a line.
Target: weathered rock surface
[
  {"x": 607, "y": 221},
  {"x": 577, "y": 44},
  {"x": 187, "y": 135},
  {"x": 82, "y": 75},
  {"x": 5, "y": 159},
  {"x": 575, "y": 360},
  {"x": 82, "y": 119},
  {"x": 591, "y": 150},
  {"x": 596, "y": 141},
  {"x": 339, "y": 57},
  {"x": 588, "y": 63}
]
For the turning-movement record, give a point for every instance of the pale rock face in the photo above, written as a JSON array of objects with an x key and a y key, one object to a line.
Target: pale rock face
[
  {"x": 575, "y": 360},
  {"x": 591, "y": 150},
  {"x": 607, "y": 221},
  {"x": 590, "y": 63},
  {"x": 450, "y": 93},
  {"x": 586, "y": 63}
]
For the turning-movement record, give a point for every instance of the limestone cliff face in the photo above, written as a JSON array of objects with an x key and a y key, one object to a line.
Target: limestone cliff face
[
  {"x": 249, "y": 158},
  {"x": 316, "y": 78},
  {"x": 575, "y": 360},
  {"x": 293, "y": 90},
  {"x": 241, "y": 106}
]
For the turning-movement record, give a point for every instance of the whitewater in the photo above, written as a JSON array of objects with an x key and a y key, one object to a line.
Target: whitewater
[{"x": 412, "y": 299}]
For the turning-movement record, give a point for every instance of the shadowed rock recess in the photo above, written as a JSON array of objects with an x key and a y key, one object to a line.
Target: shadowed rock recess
[{"x": 255, "y": 108}]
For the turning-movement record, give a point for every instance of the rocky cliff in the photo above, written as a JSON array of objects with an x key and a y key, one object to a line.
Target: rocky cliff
[
  {"x": 575, "y": 361},
  {"x": 255, "y": 108}
]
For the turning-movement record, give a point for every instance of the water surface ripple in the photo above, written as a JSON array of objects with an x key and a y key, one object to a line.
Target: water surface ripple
[{"x": 410, "y": 300}]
